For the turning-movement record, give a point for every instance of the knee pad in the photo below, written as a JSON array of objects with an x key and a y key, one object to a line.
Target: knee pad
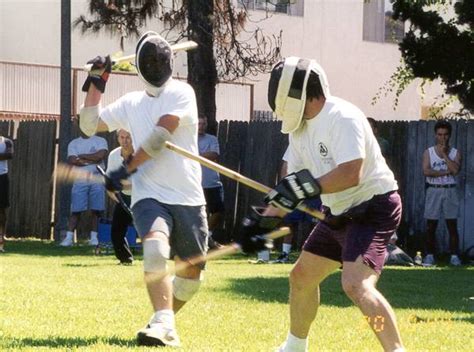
[
  {"x": 155, "y": 253},
  {"x": 185, "y": 289}
]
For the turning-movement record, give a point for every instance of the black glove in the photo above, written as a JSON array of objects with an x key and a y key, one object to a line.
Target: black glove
[
  {"x": 113, "y": 180},
  {"x": 293, "y": 189},
  {"x": 254, "y": 227},
  {"x": 99, "y": 73}
]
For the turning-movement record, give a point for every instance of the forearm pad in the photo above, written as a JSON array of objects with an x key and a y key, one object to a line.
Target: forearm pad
[
  {"x": 156, "y": 141},
  {"x": 89, "y": 119}
]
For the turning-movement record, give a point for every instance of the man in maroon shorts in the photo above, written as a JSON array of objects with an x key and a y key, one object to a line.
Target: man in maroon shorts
[{"x": 333, "y": 153}]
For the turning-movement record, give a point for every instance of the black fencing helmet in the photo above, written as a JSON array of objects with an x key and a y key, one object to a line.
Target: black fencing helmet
[{"x": 154, "y": 59}]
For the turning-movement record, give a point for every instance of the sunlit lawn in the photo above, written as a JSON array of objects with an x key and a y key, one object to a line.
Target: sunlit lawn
[{"x": 60, "y": 299}]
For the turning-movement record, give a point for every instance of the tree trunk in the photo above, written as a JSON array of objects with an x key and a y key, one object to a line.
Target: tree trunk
[
  {"x": 202, "y": 72},
  {"x": 64, "y": 191}
]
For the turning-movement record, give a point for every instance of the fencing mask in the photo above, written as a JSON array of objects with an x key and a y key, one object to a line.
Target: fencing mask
[
  {"x": 287, "y": 89},
  {"x": 154, "y": 60}
]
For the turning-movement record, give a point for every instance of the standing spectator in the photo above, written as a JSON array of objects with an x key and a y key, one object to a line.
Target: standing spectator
[
  {"x": 211, "y": 182},
  {"x": 441, "y": 163},
  {"x": 168, "y": 203},
  {"x": 86, "y": 153},
  {"x": 121, "y": 218},
  {"x": 6, "y": 153},
  {"x": 383, "y": 143}
]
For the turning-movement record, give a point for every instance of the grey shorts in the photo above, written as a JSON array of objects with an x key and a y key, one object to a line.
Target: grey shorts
[
  {"x": 87, "y": 196},
  {"x": 441, "y": 201},
  {"x": 185, "y": 226}
]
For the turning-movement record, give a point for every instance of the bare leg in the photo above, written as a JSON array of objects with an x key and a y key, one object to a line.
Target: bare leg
[
  {"x": 189, "y": 272},
  {"x": 73, "y": 220},
  {"x": 452, "y": 225},
  {"x": 215, "y": 220},
  {"x": 358, "y": 281},
  {"x": 3, "y": 222},
  {"x": 309, "y": 271},
  {"x": 431, "y": 236}
]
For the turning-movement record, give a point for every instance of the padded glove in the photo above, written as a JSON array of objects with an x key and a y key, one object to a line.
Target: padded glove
[
  {"x": 99, "y": 73},
  {"x": 254, "y": 227},
  {"x": 293, "y": 189}
]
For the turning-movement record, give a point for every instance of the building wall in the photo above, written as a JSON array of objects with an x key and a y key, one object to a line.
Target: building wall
[{"x": 330, "y": 31}]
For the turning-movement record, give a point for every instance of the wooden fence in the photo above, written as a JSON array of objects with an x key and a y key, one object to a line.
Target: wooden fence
[{"x": 255, "y": 150}]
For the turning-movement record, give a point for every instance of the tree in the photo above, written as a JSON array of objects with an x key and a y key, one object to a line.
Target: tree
[
  {"x": 437, "y": 48},
  {"x": 226, "y": 49}
]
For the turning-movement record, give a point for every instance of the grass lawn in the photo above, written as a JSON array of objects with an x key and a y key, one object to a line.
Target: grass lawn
[{"x": 54, "y": 298}]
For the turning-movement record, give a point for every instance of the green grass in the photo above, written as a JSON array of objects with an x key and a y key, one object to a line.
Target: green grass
[{"x": 61, "y": 299}]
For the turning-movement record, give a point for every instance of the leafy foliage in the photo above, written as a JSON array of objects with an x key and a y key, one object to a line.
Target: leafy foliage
[
  {"x": 438, "y": 48},
  {"x": 238, "y": 52}
]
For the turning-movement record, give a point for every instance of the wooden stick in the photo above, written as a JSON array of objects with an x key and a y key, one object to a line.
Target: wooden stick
[
  {"x": 236, "y": 176},
  {"x": 211, "y": 255}
]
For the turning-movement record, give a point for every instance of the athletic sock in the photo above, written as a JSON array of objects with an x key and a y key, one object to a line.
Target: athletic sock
[
  {"x": 69, "y": 234},
  {"x": 295, "y": 344},
  {"x": 93, "y": 235},
  {"x": 165, "y": 316},
  {"x": 264, "y": 255},
  {"x": 286, "y": 248}
]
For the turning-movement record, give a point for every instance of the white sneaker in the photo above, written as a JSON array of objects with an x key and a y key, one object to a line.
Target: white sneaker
[
  {"x": 93, "y": 242},
  {"x": 429, "y": 260},
  {"x": 67, "y": 242},
  {"x": 158, "y": 335},
  {"x": 455, "y": 261}
]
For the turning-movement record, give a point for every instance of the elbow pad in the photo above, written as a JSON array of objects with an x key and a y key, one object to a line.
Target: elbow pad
[
  {"x": 89, "y": 119},
  {"x": 156, "y": 141}
]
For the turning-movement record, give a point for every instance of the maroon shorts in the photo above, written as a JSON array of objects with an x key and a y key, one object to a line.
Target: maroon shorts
[{"x": 366, "y": 234}]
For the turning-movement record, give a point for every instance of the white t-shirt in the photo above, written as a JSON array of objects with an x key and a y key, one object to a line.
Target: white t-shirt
[
  {"x": 3, "y": 149},
  {"x": 170, "y": 178},
  {"x": 438, "y": 164},
  {"x": 89, "y": 145},
  {"x": 114, "y": 161},
  {"x": 341, "y": 133}
]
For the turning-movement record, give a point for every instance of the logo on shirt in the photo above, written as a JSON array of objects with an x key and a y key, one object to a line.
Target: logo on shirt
[{"x": 323, "y": 150}]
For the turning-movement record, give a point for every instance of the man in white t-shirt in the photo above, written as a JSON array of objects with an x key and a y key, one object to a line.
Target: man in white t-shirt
[
  {"x": 86, "y": 153},
  {"x": 333, "y": 153},
  {"x": 121, "y": 218},
  {"x": 168, "y": 203},
  {"x": 441, "y": 163},
  {"x": 6, "y": 153}
]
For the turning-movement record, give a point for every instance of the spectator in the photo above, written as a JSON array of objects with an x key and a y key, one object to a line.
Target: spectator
[
  {"x": 86, "y": 153},
  {"x": 6, "y": 153},
  {"x": 383, "y": 143},
  {"x": 121, "y": 218},
  {"x": 211, "y": 182},
  {"x": 441, "y": 163}
]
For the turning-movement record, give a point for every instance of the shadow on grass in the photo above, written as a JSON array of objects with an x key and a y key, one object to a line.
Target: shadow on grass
[
  {"x": 67, "y": 342},
  {"x": 446, "y": 289}
]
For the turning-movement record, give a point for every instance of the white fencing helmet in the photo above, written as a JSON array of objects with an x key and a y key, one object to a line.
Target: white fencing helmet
[
  {"x": 287, "y": 89},
  {"x": 154, "y": 59}
]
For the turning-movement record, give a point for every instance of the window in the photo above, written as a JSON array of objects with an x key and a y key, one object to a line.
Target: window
[
  {"x": 289, "y": 7},
  {"x": 378, "y": 23}
]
